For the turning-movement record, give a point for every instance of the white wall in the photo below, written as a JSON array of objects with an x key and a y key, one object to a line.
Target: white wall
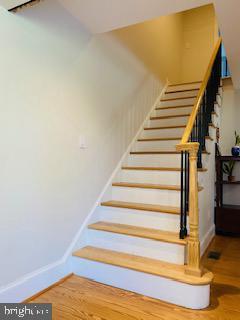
[
  {"x": 58, "y": 82},
  {"x": 230, "y": 115}
]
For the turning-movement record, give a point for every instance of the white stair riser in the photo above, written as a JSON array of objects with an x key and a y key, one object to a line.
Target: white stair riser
[
  {"x": 153, "y": 176},
  {"x": 189, "y": 296},
  {"x": 171, "y": 112},
  {"x": 220, "y": 91},
  {"x": 178, "y": 102},
  {"x": 212, "y": 132},
  {"x": 142, "y": 195},
  {"x": 147, "y": 248},
  {"x": 149, "y": 176},
  {"x": 217, "y": 108},
  {"x": 219, "y": 100},
  {"x": 184, "y": 87},
  {"x": 151, "y": 160},
  {"x": 140, "y": 218},
  {"x": 168, "y": 122},
  {"x": 163, "y": 133},
  {"x": 180, "y": 94},
  {"x": 208, "y": 144},
  {"x": 215, "y": 120},
  {"x": 157, "y": 160},
  {"x": 156, "y": 145}
]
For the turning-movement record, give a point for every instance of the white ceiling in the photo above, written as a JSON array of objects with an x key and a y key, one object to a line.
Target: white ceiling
[{"x": 104, "y": 15}]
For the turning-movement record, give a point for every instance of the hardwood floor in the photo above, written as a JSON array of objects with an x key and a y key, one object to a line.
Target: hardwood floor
[{"x": 78, "y": 298}]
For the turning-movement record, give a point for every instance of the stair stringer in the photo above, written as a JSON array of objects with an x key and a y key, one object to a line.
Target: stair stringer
[
  {"x": 81, "y": 238},
  {"x": 207, "y": 196}
]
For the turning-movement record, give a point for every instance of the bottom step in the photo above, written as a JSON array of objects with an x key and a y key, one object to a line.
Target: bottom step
[{"x": 153, "y": 278}]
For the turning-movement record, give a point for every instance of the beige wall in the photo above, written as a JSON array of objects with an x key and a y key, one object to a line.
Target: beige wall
[
  {"x": 199, "y": 36},
  {"x": 230, "y": 115},
  {"x": 178, "y": 46},
  {"x": 158, "y": 43}
]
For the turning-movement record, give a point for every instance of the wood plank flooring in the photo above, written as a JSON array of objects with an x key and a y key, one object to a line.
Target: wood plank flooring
[{"x": 78, "y": 298}]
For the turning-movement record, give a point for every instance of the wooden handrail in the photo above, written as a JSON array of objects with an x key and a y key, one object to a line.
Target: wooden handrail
[{"x": 190, "y": 124}]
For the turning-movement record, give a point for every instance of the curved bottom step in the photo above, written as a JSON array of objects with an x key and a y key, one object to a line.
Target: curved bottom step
[{"x": 153, "y": 278}]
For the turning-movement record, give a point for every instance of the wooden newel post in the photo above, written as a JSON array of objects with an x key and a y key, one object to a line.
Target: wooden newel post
[
  {"x": 193, "y": 263},
  {"x": 193, "y": 247}
]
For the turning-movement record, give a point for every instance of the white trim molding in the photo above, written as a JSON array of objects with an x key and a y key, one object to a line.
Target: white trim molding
[{"x": 34, "y": 282}]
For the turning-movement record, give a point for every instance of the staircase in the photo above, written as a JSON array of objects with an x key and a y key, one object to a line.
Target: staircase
[{"x": 132, "y": 241}]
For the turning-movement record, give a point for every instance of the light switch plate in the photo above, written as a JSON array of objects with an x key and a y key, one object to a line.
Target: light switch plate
[{"x": 82, "y": 142}]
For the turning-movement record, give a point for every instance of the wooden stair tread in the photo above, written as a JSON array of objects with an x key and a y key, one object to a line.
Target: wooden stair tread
[
  {"x": 179, "y": 98},
  {"x": 141, "y": 206},
  {"x": 155, "y": 152},
  {"x": 162, "y": 152},
  {"x": 149, "y": 186},
  {"x": 167, "y": 139},
  {"x": 147, "y": 233},
  {"x": 212, "y": 125},
  {"x": 159, "y": 139},
  {"x": 174, "y": 107},
  {"x": 142, "y": 264},
  {"x": 181, "y": 90},
  {"x": 209, "y": 138},
  {"x": 158, "y": 168},
  {"x": 146, "y": 186},
  {"x": 171, "y": 116},
  {"x": 167, "y": 127},
  {"x": 183, "y": 83}
]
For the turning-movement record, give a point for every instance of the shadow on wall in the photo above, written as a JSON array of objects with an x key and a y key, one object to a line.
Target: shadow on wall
[
  {"x": 177, "y": 46},
  {"x": 157, "y": 43}
]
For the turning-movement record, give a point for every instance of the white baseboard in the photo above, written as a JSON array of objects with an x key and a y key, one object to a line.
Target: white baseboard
[
  {"x": 34, "y": 282},
  {"x": 207, "y": 239}
]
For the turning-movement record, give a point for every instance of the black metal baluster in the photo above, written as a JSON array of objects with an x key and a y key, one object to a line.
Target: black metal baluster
[
  {"x": 186, "y": 191},
  {"x": 184, "y": 194},
  {"x": 182, "y": 198}
]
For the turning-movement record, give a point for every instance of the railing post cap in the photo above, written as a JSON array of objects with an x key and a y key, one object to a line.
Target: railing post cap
[{"x": 189, "y": 146}]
